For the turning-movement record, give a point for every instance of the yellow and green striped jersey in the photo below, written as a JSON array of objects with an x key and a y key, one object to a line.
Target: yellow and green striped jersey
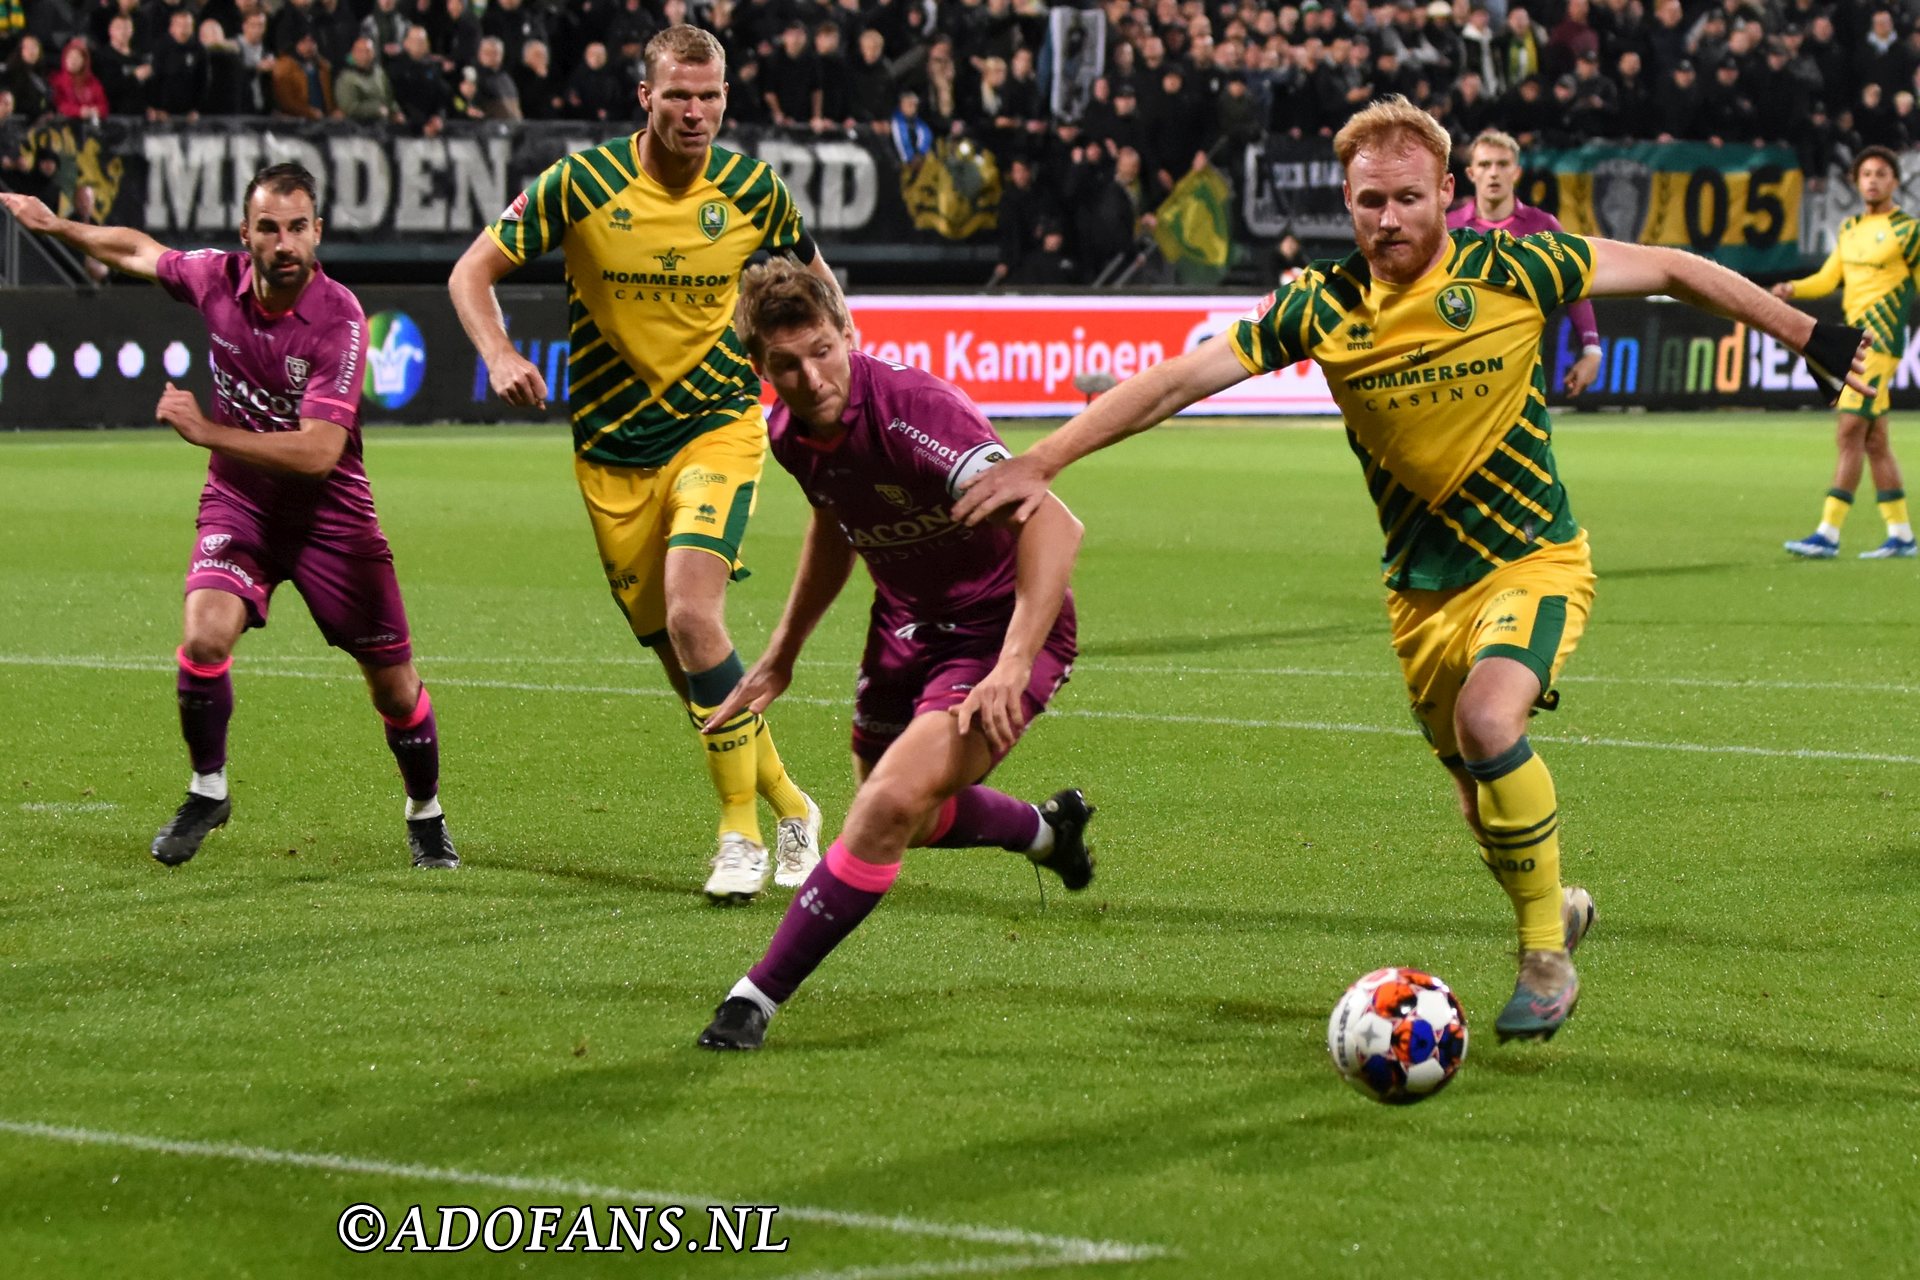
[
  {"x": 1873, "y": 263},
  {"x": 652, "y": 278},
  {"x": 1444, "y": 396}
]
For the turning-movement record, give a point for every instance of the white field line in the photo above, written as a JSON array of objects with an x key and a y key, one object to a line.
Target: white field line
[
  {"x": 1383, "y": 674},
  {"x": 1137, "y": 717},
  {"x": 1054, "y": 1251},
  {"x": 67, "y": 806}
]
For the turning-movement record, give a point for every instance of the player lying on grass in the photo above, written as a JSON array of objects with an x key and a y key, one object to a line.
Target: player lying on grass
[
  {"x": 286, "y": 498},
  {"x": 972, "y": 630},
  {"x": 1431, "y": 344}
]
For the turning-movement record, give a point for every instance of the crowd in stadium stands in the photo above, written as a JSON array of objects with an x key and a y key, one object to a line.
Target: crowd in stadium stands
[{"x": 1182, "y": 77}]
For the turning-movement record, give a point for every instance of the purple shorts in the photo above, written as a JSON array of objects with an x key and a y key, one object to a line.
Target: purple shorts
[
  {"x": 353, "y": 595},
  {"x": 910, "y": 670}
]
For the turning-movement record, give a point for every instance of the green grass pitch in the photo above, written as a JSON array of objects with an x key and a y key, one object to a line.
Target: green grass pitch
[{"x": 201, "y": 1069}]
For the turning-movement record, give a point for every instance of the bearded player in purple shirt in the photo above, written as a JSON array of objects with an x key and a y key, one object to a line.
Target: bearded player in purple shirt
[
  {"x": 286, "y": 497},
  {"x": 1493, "y": 162},
  {"x": 972, "y": 630}
]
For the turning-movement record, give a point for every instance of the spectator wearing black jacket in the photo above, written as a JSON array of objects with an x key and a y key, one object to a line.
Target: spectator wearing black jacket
[
  {"x": 595, "y": 91},
  {"x": 123, "y": 70},
  {"x": 179, "y": 84},
  {"x": 1596, "y": 99},
  {"x": 1729, "y": 112},
  {"x": 790, "y": 79},
  {"x": 100, "y": 24},
  {"x": 1680, "y": 105},
  {"x": 513, "y": 23},
  {"x": 836, "y": 81},
  {"x": 542, "y": 94},
  {"x": 1471, "y": 109},
  {"x": 294, "y": 20},
  {"x": 458, "y": 39},
  {"x": 1635, "y": 115},
  {"x": 1779, "y": 96},
  {"x": 1024, "y": 208},
  {"x": 336, "y": 27},
  {"x": 420, "y": 85},
  {"x": 27, "y": 77},
  {"x": 871, "y": 79}
]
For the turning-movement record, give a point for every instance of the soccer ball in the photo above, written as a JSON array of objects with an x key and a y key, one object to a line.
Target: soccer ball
[{"x": 1397, "y": 1035}]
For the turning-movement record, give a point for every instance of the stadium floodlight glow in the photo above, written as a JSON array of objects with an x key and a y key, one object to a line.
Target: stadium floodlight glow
[
  {"x": 176, "y": 359},
  {"x": 40, "y": 360},
  {"x": 132, "y": 359},
  {"x": 6, "y": 362},
  {"x": 86, "y": 360}
]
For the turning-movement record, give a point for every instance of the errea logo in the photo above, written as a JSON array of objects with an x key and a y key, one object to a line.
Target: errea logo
[{"x": 1359, "y": 337}]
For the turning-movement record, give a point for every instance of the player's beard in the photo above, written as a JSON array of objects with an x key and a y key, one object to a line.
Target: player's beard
[
  {"x": 1400, "y": 256},
  {"x": 287, "y": 273}
]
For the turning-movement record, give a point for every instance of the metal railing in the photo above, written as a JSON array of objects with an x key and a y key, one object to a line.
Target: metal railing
[{"x": 26, "y": 258}]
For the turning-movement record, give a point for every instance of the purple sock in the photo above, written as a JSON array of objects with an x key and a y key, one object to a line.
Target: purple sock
[
  {"x": 980, "y": 817},
  {"x": 415, "y": 743},
  {"x": 206, "y": 705},
  {"x": 821, "y": 915}
]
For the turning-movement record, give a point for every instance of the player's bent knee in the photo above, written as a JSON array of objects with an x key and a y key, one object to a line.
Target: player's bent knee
[
  {"x": 206, "y": 649},
  {"x": 1486, "y": 729},
  {"x": 892, "y": 805}
]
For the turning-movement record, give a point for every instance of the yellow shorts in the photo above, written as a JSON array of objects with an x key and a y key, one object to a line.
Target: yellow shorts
[
  {"x": 1532, "y": 610},
  {"x": 701, "y": 499},
  {"x": 1880, "y": 370}
]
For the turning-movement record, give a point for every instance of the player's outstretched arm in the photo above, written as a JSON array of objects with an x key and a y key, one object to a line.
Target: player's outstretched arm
[
  {"x": 1834, "y": 352},
  {"x": 513, "y": 377},
  {"x": 314, "y": 450},
  {"x": 124, "y": 249},
  {"x": 1049, "y": 544},
  {"x": 1145, "y": 400},
  {"x": 1818, "y": 285},
  {"x": 826, "y": 562}
]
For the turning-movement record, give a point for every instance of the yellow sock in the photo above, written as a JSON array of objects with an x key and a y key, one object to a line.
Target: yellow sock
[
  {"x": 729, "y": 756},
  {"x": 1834, "y": 510},
  {"x": 729, "y": 752},
  {"x": 1521, "y": 819},
  {"x": 770, "y": 775},
  {"x": 1893, "y": 508}
]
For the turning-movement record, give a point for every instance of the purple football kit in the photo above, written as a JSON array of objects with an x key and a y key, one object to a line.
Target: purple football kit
[
  {"x": 258, "y": 528},
  {"x": 943, "y": 593},
  {"x": 1524, "y": 221}
]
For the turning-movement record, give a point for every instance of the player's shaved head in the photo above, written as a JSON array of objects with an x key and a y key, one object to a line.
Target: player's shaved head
[
  {"x": 780, "y": 295},
  {"x": 1392, "y": 124}
]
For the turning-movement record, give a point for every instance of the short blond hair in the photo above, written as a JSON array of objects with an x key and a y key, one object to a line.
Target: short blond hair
[
  {"x": 781, "y": 294},
  {"x": 684, "y": 44},
  {"x": 1495, "y": 138},
  {"x": 1390, "y": 120}
]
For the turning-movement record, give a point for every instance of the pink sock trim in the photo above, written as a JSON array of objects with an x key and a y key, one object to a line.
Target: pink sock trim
[
  {"x": 852, "y": 871},
  {"x": 421, "y": 710},
  {"x": 193, "y": 668},
  {"x": 943, "y": 820}
]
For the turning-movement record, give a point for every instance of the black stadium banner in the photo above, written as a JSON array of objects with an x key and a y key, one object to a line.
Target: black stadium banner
[
  {"x": 76, "y": 360},
  {"x": 1293, "y": 184},
  {"x": 182, "y": 182}
]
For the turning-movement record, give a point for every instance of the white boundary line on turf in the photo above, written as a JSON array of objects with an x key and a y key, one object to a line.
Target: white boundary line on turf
[
  {"x": 1138, "y": 717},
  {"x": 1060, "y": 1250},
  {"x": 1383, "y": 674}
]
